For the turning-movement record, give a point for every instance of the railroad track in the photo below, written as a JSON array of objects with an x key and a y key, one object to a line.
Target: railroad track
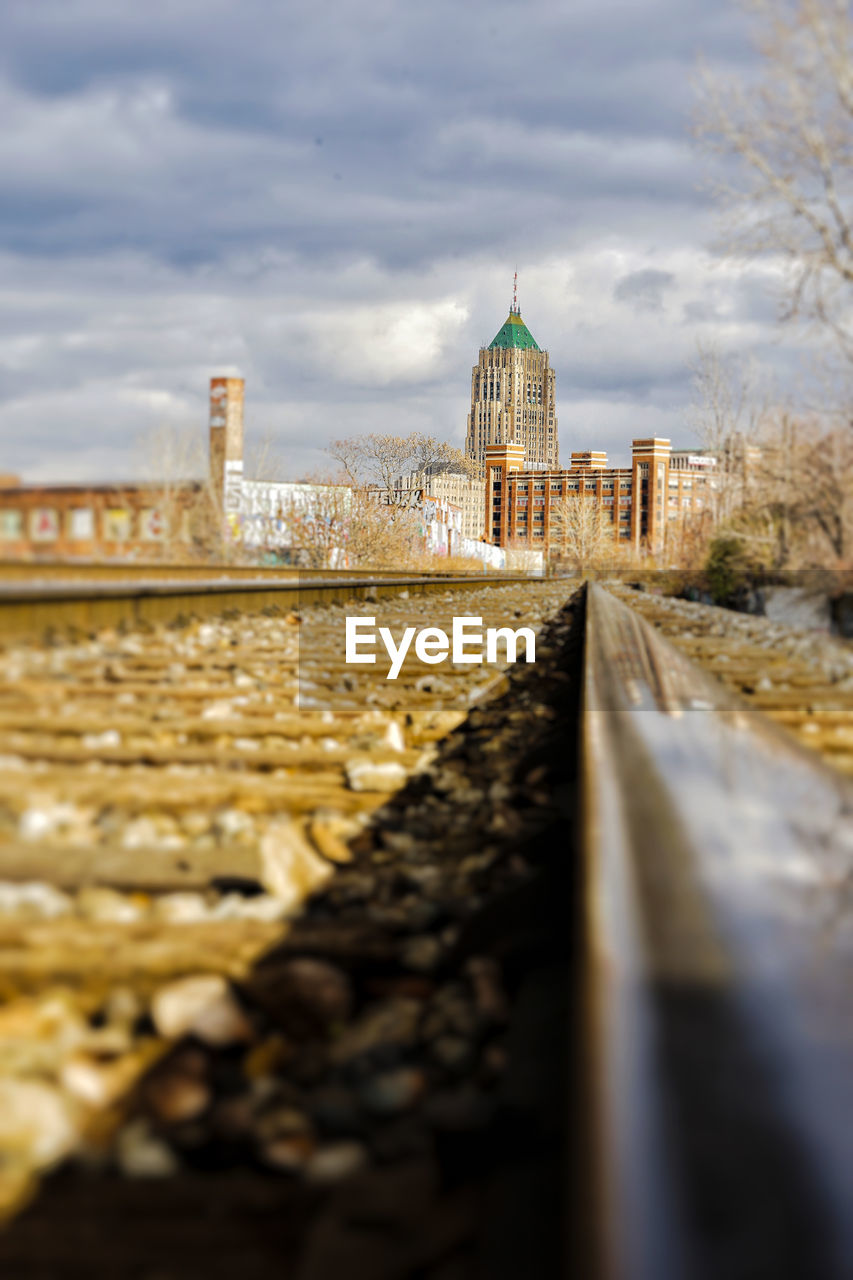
[
  {"x": 39, "y": 601},
  {"x": 718, "y": 1028},
  {"x": 168, "y": 798},
  {"x": 801, "y": 681},
  {"x": 297, "y": 960}
]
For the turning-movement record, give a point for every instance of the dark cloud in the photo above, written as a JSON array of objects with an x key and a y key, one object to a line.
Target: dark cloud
[
  {"x": 644, "y": 290},
  {"x": 190, "y": 128}
]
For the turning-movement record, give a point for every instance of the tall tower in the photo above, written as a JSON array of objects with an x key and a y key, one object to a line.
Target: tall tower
[
  {"x": 650, "y": 485},
  {"x": 512, "y": 396},
  {"x": 226, "y": 440}
]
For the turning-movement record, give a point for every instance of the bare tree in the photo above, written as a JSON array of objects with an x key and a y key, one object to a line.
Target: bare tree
[
  {"x": 582, "y": 532},
  {"x": 791, "y": 135},
  {"x": 377, "y": 462},
  {"x": 799, "y": 511},
  {"x": 264, "y": 460},
  {"x": 727, "y": 412},
  {"x": 183, "y": 516},
  {"x": 327, "y": 525}
]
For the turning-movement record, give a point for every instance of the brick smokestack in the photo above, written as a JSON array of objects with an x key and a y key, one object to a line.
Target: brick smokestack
[{"x": 226, "y": 440}]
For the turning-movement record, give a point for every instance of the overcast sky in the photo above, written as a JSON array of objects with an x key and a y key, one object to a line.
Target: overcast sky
[{"x": 330, "y": 199}]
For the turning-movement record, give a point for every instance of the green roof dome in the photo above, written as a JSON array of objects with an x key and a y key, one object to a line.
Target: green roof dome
[{"x": 515, "y": 333}]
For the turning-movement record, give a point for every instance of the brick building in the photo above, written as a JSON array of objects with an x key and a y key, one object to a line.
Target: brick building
[
  {"x": 645, "y": 502},
  {"x": 513, "y": 508},
  {"x": 69, "y": 521},
  {"x": 175, "y": 518}
]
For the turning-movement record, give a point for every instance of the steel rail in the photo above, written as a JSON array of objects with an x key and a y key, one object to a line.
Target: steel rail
[
  {"x": 75, "y": 590},
  {"x": 40, "y": 605},
  {"x": 121, "y": 569},
  {"x": 718, "y": 1068}
]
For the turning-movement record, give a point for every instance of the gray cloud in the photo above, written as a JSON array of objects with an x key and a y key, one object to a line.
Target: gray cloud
[
  {"x": 331, "y": 200},
  {"x": 644, "y": 290}
]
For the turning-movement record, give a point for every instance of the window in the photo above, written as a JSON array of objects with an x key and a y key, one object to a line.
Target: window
[
  {"x": 152, "y": 525},
  {"x": 44, "y": 524},
  {"x": 11, "y": 525},
  {"x": 81, "y": 524}
]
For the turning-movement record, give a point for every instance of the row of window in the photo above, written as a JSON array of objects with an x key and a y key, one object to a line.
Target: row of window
[{"x": 117, "y": 524}]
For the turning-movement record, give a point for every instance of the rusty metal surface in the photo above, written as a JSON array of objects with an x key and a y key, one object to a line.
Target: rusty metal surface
[
  {"x": 120, "y": 570},
  {"x": 800, "y": 679},
  {"x": 46, "y": 605},
  {"x": 718, "y": 861}
]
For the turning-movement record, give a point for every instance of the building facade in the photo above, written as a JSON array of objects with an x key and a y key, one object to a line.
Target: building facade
[
  {"x": 464, "y": 492},
  {"x": 512, "y": 397},
  {"x": 645, "y": 504},
  {"x": 69, "y": 521}
]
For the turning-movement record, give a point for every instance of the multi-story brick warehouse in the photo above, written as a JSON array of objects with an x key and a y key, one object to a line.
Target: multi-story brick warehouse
[
  {"x": 512, "y": 397},
  {"x": 645, "y": 502}
]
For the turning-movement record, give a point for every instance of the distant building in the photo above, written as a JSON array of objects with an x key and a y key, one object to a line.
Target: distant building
[
  {"x": 643, "y": 502},
  {"x": 179, "y": 519},
  {"x": 512, "y": 397},
  {"x": 117, "y": 521},
  {"x": 513, "y": 508},
  {"x": 175, "y": 518},
  {"x": 467, "y": 493}
]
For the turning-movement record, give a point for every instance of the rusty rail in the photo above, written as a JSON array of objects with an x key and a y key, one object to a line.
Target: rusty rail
[
  {"x": 719, "y": 1033},
  {"x": 42, "y": 604}
]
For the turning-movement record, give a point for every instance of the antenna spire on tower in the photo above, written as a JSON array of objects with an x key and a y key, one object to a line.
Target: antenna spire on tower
[{"x": 515, "y": 292}]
